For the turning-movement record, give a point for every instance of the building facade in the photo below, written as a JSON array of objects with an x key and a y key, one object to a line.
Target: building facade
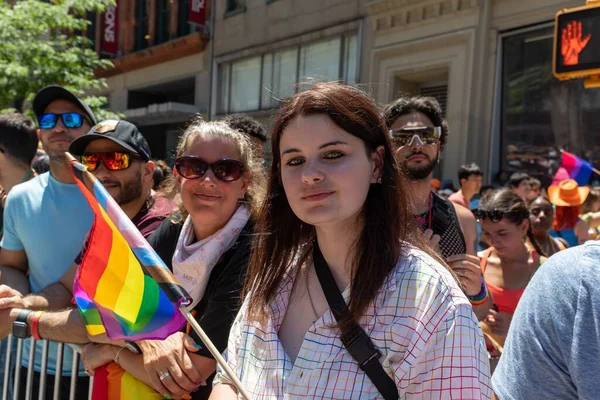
[
  {"x": 161, "y": 72},
  {"x": 490, "y": 63},
  {"x": 262, "y": 50},
  {"x": 266, "y": 49}
]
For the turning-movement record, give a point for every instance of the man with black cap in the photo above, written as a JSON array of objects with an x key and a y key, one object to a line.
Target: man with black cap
[
  {"x": 47, "y": 218},
  {"x": 119, "y": 156}
]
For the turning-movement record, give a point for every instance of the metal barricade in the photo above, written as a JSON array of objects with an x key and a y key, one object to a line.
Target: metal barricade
[{"x": 16, "y": 384}]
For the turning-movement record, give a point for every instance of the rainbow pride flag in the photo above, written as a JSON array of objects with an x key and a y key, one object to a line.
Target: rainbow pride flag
[
  {"x": 578, "y": 169},
  {"x": 122, "y": 287},
  {"x": 119, "y": 384}
]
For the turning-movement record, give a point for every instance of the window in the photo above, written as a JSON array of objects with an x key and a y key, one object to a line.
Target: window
[
  {"x": 259, "y": 83},
  {"x": 245, "y": 85},
  {"x": 539, "y": 113},
  {"x": 163, "y": 15},
  {"x": 234, "y": 5},
  {"x": 280, "y": 72},
  {"x": 90, "y": 31},
  {"x": 141, "y": 25},
  {"x": 321, "y": 61},
  {"x": 183, "y": 27}
]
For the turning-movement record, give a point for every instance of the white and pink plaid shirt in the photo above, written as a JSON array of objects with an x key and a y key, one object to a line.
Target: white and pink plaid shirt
[{"x": 420, "y": 320}]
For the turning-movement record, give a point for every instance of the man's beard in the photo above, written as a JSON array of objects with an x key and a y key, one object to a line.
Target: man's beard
[
  {"x": 130, "y": 190},
  {"x": 422, "y": 171}
]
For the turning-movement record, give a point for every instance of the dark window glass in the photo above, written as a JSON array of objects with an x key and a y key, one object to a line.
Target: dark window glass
[
  {"x": 141, "y": 25},
  {"x": 90, "y": 32},
  {"x": 539, "y": 113},
  {"x": 163, "y": 15},
  {"x": 232, "y": 5},
  {"x": 183, "y": 27}
]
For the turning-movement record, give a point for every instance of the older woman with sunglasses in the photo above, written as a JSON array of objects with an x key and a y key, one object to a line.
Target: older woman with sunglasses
[
  {"x": 207, "y": 245},
  {"x": 508, "y": 265}
]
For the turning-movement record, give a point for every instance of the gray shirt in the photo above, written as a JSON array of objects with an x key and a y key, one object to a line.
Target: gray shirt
[{"x": 553, "y": 345}]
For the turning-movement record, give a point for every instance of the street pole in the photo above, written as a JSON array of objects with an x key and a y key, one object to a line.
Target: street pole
[{"x": 213, "y": 13}]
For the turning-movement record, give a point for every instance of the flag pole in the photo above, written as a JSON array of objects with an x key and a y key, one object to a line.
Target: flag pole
[
  {"x": 596, "y": 171},
  {"x": 213, "y": 350}
]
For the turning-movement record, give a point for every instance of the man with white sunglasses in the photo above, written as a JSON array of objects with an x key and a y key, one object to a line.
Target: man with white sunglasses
[{"x": 419, "y": 132}]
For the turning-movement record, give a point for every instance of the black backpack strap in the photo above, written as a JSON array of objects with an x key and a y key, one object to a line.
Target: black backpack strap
[{"x": 356, "y": 341}]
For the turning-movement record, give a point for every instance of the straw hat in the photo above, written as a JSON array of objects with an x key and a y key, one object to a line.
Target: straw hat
[{"x": 568, "y": 194}]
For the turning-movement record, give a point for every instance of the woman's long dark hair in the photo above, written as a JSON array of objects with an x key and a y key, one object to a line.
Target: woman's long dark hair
[
  {"x": 514, "y": 209},
  {"x": 387, "y": 225}
]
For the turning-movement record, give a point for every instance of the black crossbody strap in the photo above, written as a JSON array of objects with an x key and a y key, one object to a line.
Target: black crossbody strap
[{"x": 356, "y": 341}]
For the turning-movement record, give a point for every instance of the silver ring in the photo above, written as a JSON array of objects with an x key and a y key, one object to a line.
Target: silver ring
[{"x": 164, "y": 376}]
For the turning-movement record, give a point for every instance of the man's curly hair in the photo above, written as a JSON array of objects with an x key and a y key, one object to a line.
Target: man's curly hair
[
  {"x": 424, "y": 105},
  {"x": 248, "y": 125}
]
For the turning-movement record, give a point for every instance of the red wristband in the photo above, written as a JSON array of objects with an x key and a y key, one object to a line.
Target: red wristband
[{"x": 35, "y": 321}]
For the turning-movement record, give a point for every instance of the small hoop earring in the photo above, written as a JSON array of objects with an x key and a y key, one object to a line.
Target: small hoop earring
[
  {"x": 242, "y": 196},
  {"x": 379, "y": 180}
]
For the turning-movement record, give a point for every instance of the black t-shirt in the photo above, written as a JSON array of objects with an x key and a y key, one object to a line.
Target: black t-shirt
[{"x": 222, "y": 299}]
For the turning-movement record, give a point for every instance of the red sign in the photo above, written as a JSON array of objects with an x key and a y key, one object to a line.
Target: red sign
[
  {"x": 110, "y": 30},
  {"x": 197, "y": 12},
  {"x": 576, "y": 40},
  {"x": 573, "y": 43}
]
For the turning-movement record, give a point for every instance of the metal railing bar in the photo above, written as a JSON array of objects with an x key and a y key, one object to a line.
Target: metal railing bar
[
  {"x": 9, "y": 344},
  {"x": 30, "y": 369},
  {"x": 58, "y": 372},
  {"x": 17, "y": 386},
  {"x": 44, "y": 370},
  {"x": 74, "y": 375}
]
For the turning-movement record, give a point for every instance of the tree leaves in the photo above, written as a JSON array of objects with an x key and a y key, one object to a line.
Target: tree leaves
[{"x": 39, "y": 46}]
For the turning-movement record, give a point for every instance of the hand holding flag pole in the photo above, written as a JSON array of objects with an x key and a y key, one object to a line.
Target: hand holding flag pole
[
  {"x": 122, "y": 287},
  {"x": 213, "y": 350}
]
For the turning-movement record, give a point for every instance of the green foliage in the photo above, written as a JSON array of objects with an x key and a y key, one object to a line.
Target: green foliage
[{"x": 40, "y": 46}]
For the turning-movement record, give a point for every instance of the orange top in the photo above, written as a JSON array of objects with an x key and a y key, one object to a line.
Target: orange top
[{"x": 505, "y": 299}]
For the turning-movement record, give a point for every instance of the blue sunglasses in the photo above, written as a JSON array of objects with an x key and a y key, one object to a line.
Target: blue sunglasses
[{"x": 70, "y": 120}]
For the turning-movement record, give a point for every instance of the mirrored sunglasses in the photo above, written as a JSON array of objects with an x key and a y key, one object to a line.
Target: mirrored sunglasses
[
  {"x": 423, "y": 135},
  {"x": 113, "y": 161},
  {"x": 70, "y": 120}
]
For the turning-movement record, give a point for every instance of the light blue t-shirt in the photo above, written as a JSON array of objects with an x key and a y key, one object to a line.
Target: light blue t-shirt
[
  {"x": 553, "y": 344},
  {"x": 49, "y": 220}
]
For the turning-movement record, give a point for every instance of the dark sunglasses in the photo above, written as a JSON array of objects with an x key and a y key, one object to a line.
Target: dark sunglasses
[
  {"x": 426, "y": 134},
  {"x": 226, "y": 170},
  {"x": 70, "y": 120},
  {"x": 113, "y": 161},
  {"x": 493, "y": 215}
]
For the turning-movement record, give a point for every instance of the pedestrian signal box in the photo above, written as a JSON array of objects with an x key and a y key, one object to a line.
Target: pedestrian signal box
[{"x": 577, "y": 42}]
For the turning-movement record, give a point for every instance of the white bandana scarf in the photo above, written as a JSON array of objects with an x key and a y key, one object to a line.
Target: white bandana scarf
[{"x": 193, "y": 262}]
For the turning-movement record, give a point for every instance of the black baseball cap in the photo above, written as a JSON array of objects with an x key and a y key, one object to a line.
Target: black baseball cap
[
  {"x": 122, "y": 133},
  {"x": 54, "y": 92}
]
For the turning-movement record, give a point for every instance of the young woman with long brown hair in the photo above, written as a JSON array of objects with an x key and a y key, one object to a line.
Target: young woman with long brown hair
[{"x": 334, "y": 192}]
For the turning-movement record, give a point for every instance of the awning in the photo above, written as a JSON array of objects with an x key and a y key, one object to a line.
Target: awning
[{"x": 159, "y": 114}]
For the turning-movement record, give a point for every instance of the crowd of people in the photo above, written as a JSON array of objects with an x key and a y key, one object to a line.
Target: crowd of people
[{"x": 433, "y": 280}]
